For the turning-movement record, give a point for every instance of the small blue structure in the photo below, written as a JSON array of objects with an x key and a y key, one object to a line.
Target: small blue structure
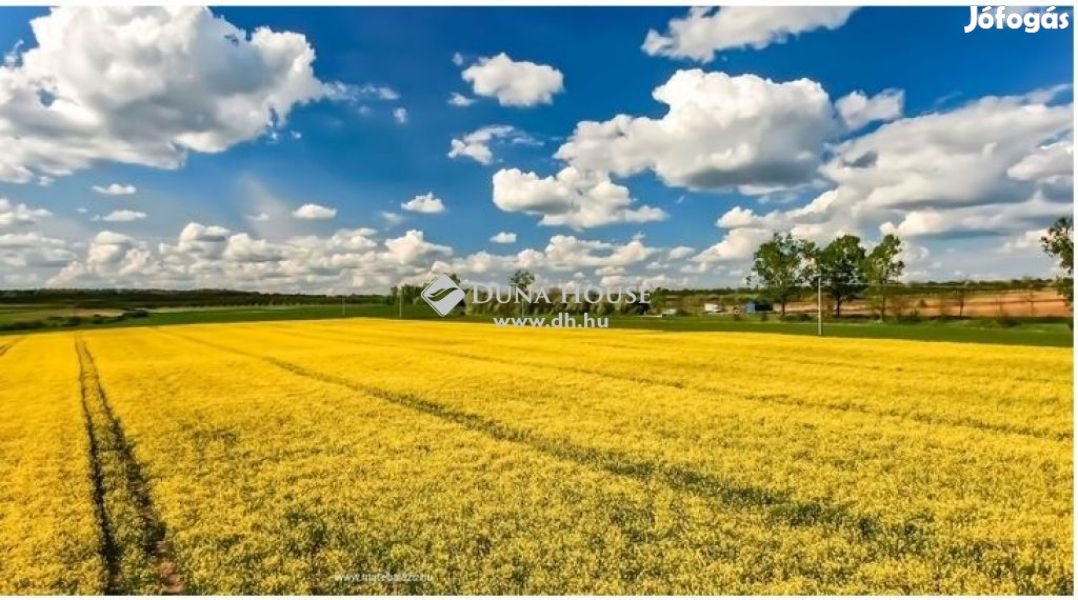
[{"x": 757, "y": 306}]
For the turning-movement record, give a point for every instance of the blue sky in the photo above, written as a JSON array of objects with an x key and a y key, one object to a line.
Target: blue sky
[{"x": 347, "y": 152}]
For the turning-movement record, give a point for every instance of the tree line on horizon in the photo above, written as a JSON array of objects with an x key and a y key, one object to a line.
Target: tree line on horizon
[{"x": 784, "y": 267}]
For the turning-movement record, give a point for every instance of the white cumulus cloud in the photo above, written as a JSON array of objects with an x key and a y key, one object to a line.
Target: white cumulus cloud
[
  {"x": 314, "y": 212},
  {"x": 858, "y": 110},
  {"x": 115, "y": 189},
  {"x": 19, "y": 214},
  {"x": 144, "y": 85},
  {"x": 412, "y": 248},
  {"x": 705, "y": 31},
  {"x": 573, "y": 198},
  {"x": 476, "y": 145},
  {"x": 1024, "y": 242},
  {"x": 124, "y": 216},
  {"x": 391, "y": 218},
  {"x": 737, "y": 245},
  {"x": 460, "y": 100},
  {"x": 426, "y": 203},
  {"x": 719, "y": 131},
  {"x": 213, "y": 256},
  {"x": 955, "y": 158},
  {"x": 680, "y": 252},
  {"x": 1050, "y": 161},
  {"x": 514, "y": 83},
  {"x": 992, "y": 169}
]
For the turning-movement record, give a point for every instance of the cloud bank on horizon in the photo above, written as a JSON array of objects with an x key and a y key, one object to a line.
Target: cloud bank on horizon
[{"x": 184, "y": 147}]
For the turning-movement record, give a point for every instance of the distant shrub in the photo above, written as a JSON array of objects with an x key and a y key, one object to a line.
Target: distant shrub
[
  {"x": 1006, "y": 321},
  {"x": 604, "y": 308},
  {"x": 638, "y": 308},
  {"x": 913, "y": 316},
  {"x": 17, "y": 325}
]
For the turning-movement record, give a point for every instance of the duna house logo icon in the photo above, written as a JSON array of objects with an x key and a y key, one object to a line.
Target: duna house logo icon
[{"x": 442, "y": 294}]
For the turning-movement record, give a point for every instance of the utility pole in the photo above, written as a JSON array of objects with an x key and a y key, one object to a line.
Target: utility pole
[
  {"x": 400, "y": 301},
  {"x": 819, "y": 305},
  {"x": 342, "y": 305},
  {"x": 819, "y": 298}
]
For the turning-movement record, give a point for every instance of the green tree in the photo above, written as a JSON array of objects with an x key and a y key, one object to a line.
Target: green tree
[
  {"x": 522, "y": 280},
  {"x": 882, "y": 266},
  {"x": 961, "y": 294},
  {"x": 779, "y": 266},
  {"x": 407, "y": 293},
  {"x": 658, "y": 300},
  {"x": 1059, "y": 244},
  {"x": 841, "y": 265}
]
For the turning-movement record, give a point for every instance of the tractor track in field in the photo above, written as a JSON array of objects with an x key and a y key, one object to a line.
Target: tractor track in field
[
  {"x": 891, "y": 539},
  {"x": 778, "y": 399},
  {"x": 8, "y": 346},
  {"x": 110, "y": 553},
  {"x": 111, "y": 458}
]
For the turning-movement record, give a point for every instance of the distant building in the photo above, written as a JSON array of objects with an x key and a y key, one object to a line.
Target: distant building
[
  {"x": 757, "y": 306},
  {"x": 712, "y": 308}
]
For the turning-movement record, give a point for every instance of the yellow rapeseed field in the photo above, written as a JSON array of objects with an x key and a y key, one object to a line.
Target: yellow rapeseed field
[
  {"x": 369, "y": 456},
  {"x": 48, "y": 534}
]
